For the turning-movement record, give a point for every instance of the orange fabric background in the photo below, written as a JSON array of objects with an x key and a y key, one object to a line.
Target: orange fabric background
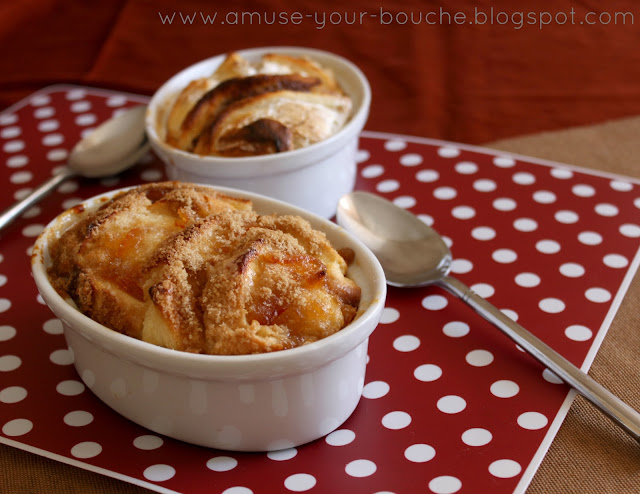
[{"x": 469, "y": 83}]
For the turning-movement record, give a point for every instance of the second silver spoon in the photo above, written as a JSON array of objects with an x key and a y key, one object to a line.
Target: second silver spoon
[{"x": 413, "y": 254}]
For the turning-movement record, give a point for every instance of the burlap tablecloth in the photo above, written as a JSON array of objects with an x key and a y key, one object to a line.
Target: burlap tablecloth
[{"x": 589, "y": 454}]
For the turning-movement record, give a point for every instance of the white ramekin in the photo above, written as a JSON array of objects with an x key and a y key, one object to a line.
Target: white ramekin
[
  {"x": 313, "y": 178},
  {"x": 256, "y": 402}
]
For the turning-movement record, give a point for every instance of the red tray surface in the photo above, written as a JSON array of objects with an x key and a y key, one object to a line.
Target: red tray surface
[{"x": 450, "y": 404}]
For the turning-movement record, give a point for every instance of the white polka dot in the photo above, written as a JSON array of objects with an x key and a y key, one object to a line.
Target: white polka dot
[
  {"x": 426, "y": 219},
  {"x": 463, "y": 212},
  {"x": 451, "y": 404},
  {"x": 621, "y": 185},
  {"x": 483, "y": 233},
  {"x": 9, "y": 363},
  {"x": 237, "y": 490},
  {"x": 476, "y": 437},
  {"x": 86, "y": 119},
  {"x": 78, "y": 418},
  {"x": 362, "y": 155},
  {"x": 300, "y": 482},
  {"x": 40, "y": 100},
  {"x": 527, "y": 280},
  {"x": 71, "y": 202},
  {"x": 551, "y": 305},
  {"x": 448, "y": 152},
  {"x": 53, "y": 139},
  {"x": 504, "y": 389},
  {"x": 434, "y": 302},
  {"x": 466, "y": 167},
  {"x": 605, "y": 209},
  {"x": 419, "y": 453},
  {"x": 395, "y": 145},
  {"x": 504, "y": 161},
  {"x": 523, "y": 178},
  {"x": 109, "y": 181},
  {"x": 17, "y": 161},
  {"x": 361, "y": 468},
  {"x": 5, "y": 304},
  {"x": 282, "y": 454},
  {"x": 505, "y": 469},
  {"x": 525, "y": 224},
  {"x": 551, "y": 377},
  {"x": 445, "y": 484},
  {"x": 590, "y": 238},
  {"x": 567, "y": 217},
  {"x": 427, "y": 373},
  {"x": 76, "y": 94},
  {"x": 561, "y": 173},
  {"x": 484, "y": 290},
  {"x": 3, "y": 280},
  {"x": 388, "y": 186},
  {"x": 17, "y": 427},
  {"x": 389, "y": 315},
  {"x": 572, "y": 270},
  {"x": 532, "y": 420},
  {"x": 544, "y": 197},
  {"x": 372, "y": 171},
  {"x": 8, "y": 119},
  {"x": 80, "y": 106},
  {"x": 87, "y": 449},
  {"x": 70, "y": 388},
  {"x": 375, "y": 390},
  {"x": 32, "y": 212},
  {"x": 427, "y": 176},
  {"x": 13, "y": 394},
  {"x": 151, "y": 175},
  {"x": 461, "y": 266},
  {"x": 44, "y": 112},
  {"x": 61, "y": 357},
  {"x": 405, "y": 202},
  {"x": 57, "y": 155},
  {"x": 456, "y": 329},
  {"x": 504, "y": 256},
  {"x": 68, "y": 187},
  {"x": 148, "y": 442},
  {"x": 53, "y": 326},
  {"x": 636, "y": 202},
  {"x": 10, "y": 132},
  {"x": 484, "y": 185},
  {"x": 13, "y": 146},
  {"x": 89, "y": 377},
  {"x": 341, "y": 437},
  {"x": 578, "y": 333},
  {"x": 411, "y": 159},
  {"x": 159, "y": 473},
  {"x": 406, "y": 343},
  {"x": 48, "y": 125},
  {"x": 396, "y": 420},
  {"x": 504, "y": 204},
  {"x": 583, "y": 190},
  {"x": 616, "y": 261},
  {"x": 7, "y": 333},
  {"x": 598, "y": 295},
  {"x": 479, "y": 358},
  {"x": 630, "y": 230},
  {"x": 548, "y": 246},
  {"x": 116, "y": 100},
  {"x": 21, "y": 177},
  {"x": 445, "y": 193}
]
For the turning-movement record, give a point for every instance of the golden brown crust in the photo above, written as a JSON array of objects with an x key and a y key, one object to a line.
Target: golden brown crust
[
  {"x": 184, "y": 267},
  {"x": 220, "y": 121}
]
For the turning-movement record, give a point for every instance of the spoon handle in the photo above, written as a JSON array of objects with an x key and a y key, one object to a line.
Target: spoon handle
[
  {"x": 12, "y": 212},
  {"x": 621, "y": 413}
]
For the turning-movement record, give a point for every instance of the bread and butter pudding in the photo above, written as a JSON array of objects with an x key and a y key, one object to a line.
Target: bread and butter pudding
[
  {"x": 188, "y": 268},
  {"x": 278, "y": 103}
]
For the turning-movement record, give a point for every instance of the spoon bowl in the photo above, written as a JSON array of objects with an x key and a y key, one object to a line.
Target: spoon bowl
[
  {"x": 413, "y": 254},
  {"x": 108, "y": 150}
]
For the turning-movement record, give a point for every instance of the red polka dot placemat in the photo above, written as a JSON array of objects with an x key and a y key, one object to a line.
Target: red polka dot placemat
[{"x": 449, "y": 403}]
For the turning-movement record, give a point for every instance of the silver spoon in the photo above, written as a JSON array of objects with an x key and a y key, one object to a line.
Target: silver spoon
[
  {"x": 413, "y": 254},
  {"x": 111, "y": 148}
]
